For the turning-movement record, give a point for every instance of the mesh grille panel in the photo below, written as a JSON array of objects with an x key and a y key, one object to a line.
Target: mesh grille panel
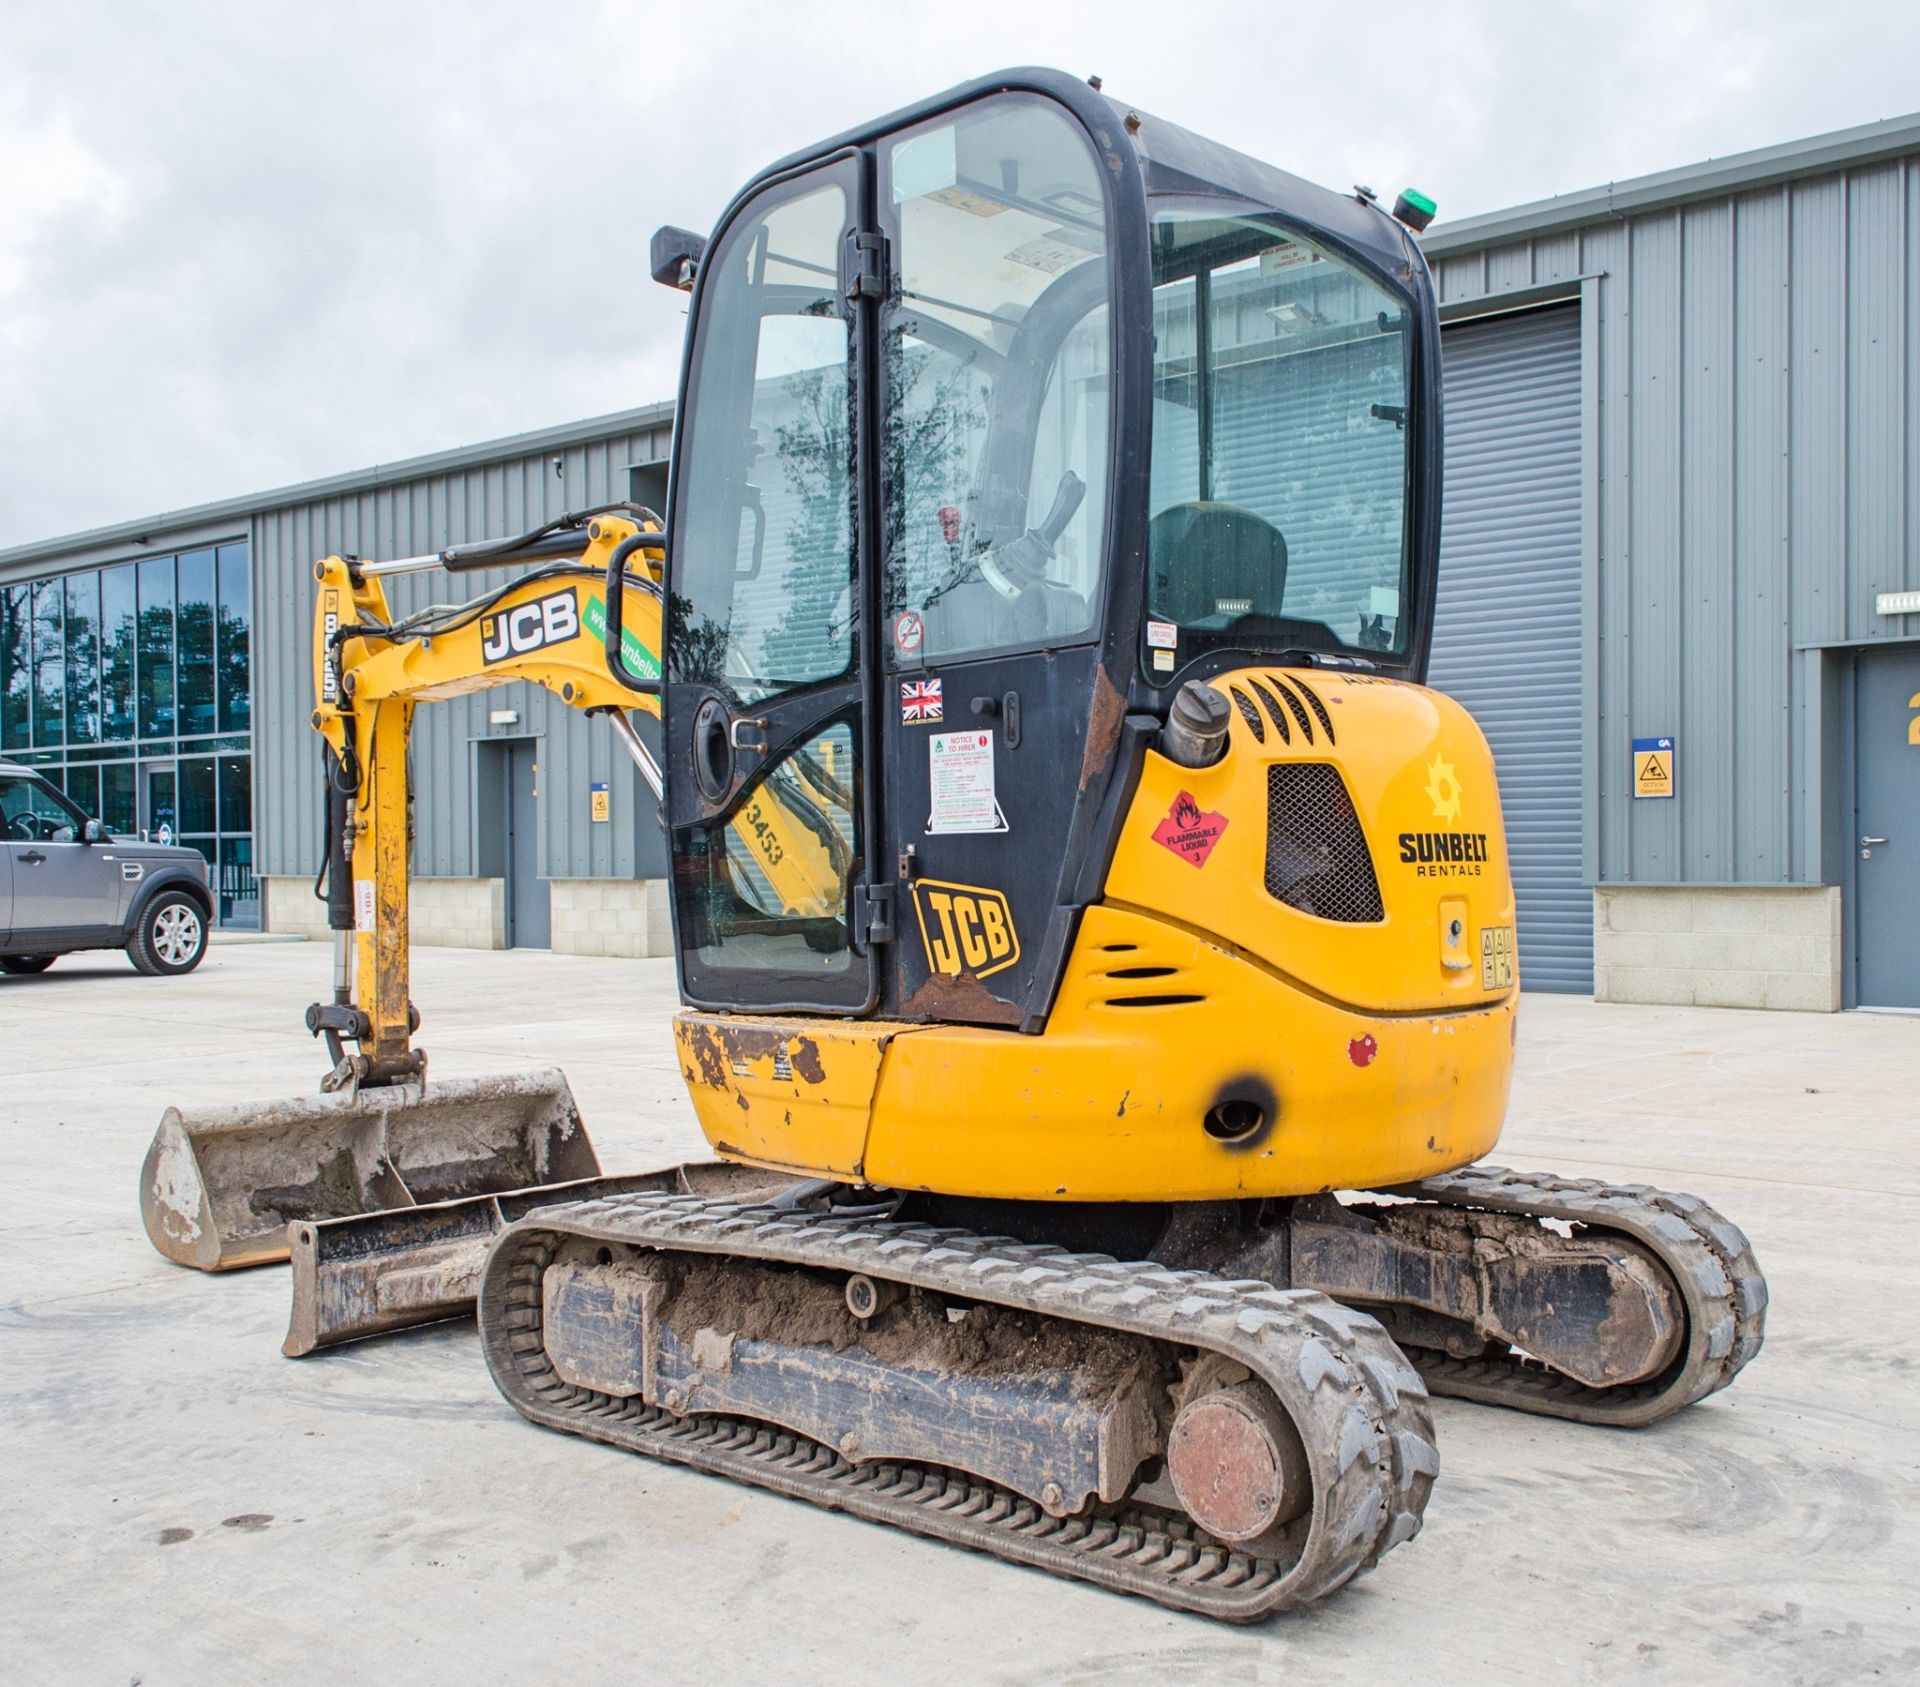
[{"x": 1317, "y": 858}]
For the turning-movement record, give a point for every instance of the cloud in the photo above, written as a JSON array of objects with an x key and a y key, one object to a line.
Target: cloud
[{"x": 242, "y": 246}]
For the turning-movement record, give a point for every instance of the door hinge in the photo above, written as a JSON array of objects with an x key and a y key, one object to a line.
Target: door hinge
[
  {"x": 873, "y": 913},
  {"x": 866, "y": 266}
]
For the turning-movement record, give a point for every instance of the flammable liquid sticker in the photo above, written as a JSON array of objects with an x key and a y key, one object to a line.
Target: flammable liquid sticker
[{"x": 1188, "y": 831}]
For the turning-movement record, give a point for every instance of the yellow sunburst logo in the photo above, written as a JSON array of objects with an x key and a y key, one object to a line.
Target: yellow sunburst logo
[{"x": 1443, "y": 786}]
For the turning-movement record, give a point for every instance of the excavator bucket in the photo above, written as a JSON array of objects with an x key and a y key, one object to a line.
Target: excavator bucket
[
  {"x": 221, "y": 1185},
  {"x": 379, "y": 1272}
]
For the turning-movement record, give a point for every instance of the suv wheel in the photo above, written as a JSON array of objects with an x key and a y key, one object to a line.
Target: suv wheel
[
  {"x": 171, "y": 938},
  {"x": 25, "y": 963}
]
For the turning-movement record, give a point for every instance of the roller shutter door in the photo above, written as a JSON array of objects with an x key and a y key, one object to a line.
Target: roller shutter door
[{"x": 1507, "y": 630}]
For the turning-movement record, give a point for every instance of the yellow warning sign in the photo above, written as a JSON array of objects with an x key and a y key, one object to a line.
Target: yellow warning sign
[
  {"x": 601, "y": 800},
  {"x": 1653, "y": 767}
]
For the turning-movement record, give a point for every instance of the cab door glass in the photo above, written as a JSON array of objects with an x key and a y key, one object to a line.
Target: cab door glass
[
  {"x": 996, "y": 390},
  {"x": 762, "y": 677},
  {"x": 763, "y": 591},
  {"x": 763, "y": 891}
]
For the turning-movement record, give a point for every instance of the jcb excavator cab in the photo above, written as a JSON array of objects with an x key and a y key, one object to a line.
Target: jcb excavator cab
[{"x": 1002, "y": 420}]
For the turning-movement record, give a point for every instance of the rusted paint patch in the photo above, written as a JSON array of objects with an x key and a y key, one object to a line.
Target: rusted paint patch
[
  {"x": 1103, "y": 728},
  {"x": 962, "y": 998},
  {"x": 806, "y": 1060},
  {"x": 701, "y": 1042}
]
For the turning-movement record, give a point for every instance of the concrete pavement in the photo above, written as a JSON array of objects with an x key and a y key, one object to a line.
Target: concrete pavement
[{"x": 180, "y": 1504}]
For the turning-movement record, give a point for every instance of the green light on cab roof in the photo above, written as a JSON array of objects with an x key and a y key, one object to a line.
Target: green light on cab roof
[{"x": 1414, "y": 209}]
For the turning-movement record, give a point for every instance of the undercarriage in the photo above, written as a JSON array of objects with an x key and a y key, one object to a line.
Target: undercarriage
[{"x": 1232, "y": 1421}]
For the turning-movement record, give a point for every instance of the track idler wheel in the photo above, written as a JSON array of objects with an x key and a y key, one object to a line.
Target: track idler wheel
[{"x": 1236, "y": 1463}]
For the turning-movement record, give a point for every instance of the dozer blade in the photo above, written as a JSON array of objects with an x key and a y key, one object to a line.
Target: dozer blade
[
  {"x": 221, "y": 1185},
  {"x": 376, "y": 1272}
]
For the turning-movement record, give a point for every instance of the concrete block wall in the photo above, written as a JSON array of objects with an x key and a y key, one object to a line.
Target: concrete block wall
[
  {"x": 458, "y": 913},
  {"x": 1777, "y": 947},
  {"x": 611, "y": 917},
  {"x": 442, "y": 913}
]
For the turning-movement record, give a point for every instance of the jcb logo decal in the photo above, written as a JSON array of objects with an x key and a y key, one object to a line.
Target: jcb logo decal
[
  {"x": 964, "y": 928},
  {"x": 552, "y": 619}
]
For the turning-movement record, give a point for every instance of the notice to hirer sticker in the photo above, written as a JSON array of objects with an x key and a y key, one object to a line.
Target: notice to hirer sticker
[{"x": 962, "y": 767}]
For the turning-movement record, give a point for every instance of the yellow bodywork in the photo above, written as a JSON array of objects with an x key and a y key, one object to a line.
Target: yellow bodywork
[{"x": 1209, "y": 1040}]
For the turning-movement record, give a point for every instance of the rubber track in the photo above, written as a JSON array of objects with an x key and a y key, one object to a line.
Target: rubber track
[
  {"x": 1711, "y": 1262},
  {"x": 1362, "y": 1411}
]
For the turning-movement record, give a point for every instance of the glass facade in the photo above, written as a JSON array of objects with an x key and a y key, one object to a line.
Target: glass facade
[{"x": 130, "y": 687}]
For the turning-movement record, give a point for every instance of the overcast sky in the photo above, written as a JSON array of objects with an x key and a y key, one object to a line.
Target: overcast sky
[{"x": 244, "y": 243}]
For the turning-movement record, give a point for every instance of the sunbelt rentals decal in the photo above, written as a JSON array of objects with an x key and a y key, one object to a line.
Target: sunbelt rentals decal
[{"x": 636, "y": 655}]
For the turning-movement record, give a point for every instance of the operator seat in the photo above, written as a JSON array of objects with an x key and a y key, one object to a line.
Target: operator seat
[{"x": 1233, "y": 562}]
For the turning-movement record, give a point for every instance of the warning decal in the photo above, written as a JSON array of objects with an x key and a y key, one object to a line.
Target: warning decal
[
  {"x": 1653, "y": 767},
  {"x": 1188, "y": 832}
]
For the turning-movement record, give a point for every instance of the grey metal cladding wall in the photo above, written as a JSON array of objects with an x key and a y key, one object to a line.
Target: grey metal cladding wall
[
  {"x": 405, "y": 519},
  {"x": 1507, "y": 626},
  {"x": 1755, "y": 482}
]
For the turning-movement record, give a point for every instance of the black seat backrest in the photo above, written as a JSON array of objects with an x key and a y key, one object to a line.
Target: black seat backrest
[{"x": 1232, "y": 562}]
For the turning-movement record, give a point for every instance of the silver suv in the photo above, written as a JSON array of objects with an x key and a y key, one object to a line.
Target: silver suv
[{"x": 68, "y": 883}]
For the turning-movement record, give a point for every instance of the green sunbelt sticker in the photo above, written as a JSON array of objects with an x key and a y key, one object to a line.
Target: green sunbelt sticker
[{"x": 635, "y": 654}]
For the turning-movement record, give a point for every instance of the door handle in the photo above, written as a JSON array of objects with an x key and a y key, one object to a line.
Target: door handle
[
  {"x": 1866, "y": 847},
  {"x": 32, "y": 858},
  {"x": 1872, "y": 840}
]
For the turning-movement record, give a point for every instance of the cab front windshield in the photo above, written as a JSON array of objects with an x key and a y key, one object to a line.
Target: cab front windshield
[{"x": 1278, "y": 487}]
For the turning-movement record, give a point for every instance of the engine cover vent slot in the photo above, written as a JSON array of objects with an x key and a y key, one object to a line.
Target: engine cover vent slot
[
  {"x": 1318, "y": 707},
  {"x": 1273, "y": 708},
  {"x": 1298, "y": 708},
  {"x": 1249, "y": 714},
  {"x": 1317, "y": 856}
]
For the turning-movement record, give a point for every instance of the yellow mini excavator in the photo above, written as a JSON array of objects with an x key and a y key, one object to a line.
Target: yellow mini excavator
[{"x": 1096, "y": 945}]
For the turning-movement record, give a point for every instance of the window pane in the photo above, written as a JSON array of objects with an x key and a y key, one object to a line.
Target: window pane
[
  {"x": 83, "y": 658},
  {"x": 33, "y": 814},
  {"x": 236, "y": 793},
  {"x": 766, "y": 564},
  {"x": 196, "y": 795},
  {"x": 116, "y": 653},
  {"x": 234, "y": 637},
  {"x": 163, "y": 822},
  {"x": 49, "y": 665},
  {"x": 16, "y": 668},
  {"x": 117, "y": 805},
  {"x": 1278, "y": 478},
  {"x": 83, "y": 786},
  {"x": 156, "y": 647},
  {"x": 195, "y": 659},
  {"x": 763, "y": 892},
  {"x": 993, "y": 480},
  {"x": 239, "y": 890}
]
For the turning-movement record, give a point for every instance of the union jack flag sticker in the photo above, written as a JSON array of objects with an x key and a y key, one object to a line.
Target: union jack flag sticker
[{"x": 920, "y": 702}]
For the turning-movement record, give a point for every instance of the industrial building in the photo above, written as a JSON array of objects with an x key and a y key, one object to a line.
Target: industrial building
[{"x": 1680, "y": 589}]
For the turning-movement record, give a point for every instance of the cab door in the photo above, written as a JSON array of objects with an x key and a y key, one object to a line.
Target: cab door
[
  {"x": 997, "y": 398},
  {"x": 769, "y": 792}
]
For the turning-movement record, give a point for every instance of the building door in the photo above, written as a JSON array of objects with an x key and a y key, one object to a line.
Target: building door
[
  {"x": 1506, "y": 638},
  {"x": 1886, "y": 814},
  {"x": 529, "y": 908}
]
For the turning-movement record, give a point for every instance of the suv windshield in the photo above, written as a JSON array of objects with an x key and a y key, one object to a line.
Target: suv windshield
[{"x": 1279, "y": 468}]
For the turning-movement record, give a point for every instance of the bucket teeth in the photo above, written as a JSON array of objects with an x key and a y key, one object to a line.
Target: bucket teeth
[{"x": 221, "y": 1185}]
